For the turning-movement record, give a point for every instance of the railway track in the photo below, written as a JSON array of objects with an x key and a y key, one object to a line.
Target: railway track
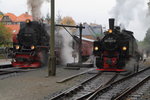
[
  {"x": 121, "y": 89},
  {"x": 140, "y": 93},
  {"x": 5, "y": 71},
  {"x": 5, "y": 66},
  {"x": 76, "y": 75},
  {"x": 84, "y": 89}
]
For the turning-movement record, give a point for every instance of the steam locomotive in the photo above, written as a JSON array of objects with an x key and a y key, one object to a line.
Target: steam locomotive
[
  {"x": 31, "y": 45},
  {"x": 115, "y": 49}
]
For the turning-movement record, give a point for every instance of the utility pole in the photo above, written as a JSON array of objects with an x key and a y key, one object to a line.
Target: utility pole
[
  {"x": 52, "y": 58},
  {"x": 80, "y": 45}
]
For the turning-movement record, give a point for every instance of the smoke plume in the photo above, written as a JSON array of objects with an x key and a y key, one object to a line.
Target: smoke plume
[
  {"x": 124, "y": 10},
  {"x": 134, "y": 15},
  {"x": 35, "y": 7}
]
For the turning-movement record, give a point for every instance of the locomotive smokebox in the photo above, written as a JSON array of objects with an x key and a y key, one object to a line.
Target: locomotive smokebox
[{"x": 111, "y": 23}]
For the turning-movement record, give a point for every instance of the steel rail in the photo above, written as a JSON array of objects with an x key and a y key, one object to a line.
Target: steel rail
[
  {"x": 13, "y": 70},
  {"x": 77, "y": 87},
  {"x": 100, "y": 87},
  {"x": 94, "y": 95},
  {"x": 124, "y": 94},
  {"x": 73, "y": 76}
]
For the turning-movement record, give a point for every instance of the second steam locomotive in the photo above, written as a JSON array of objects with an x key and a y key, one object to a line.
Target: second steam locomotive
[
  {"x": 31, "y": 45},
  {"x": 115, "y": 49}
]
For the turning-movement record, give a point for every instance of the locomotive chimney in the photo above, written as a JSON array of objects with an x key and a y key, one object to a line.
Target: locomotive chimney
[{"x": 111, "y": 23}]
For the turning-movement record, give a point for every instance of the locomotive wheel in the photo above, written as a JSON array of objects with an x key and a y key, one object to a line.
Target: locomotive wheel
[{"x": 43, "y": 57}]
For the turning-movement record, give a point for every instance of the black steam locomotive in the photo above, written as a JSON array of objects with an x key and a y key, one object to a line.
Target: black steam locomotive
[
  {"x": 31, "y": 45},
  {"x": 115, "y": 49}
]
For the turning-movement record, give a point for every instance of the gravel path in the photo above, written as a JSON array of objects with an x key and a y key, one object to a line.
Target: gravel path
[{"x": 35, "y": 85}]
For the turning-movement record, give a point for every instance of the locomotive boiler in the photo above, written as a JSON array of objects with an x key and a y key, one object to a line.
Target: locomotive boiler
[
  {"x": 115, "y": 49},
  {"x": 31, "y": 45}
]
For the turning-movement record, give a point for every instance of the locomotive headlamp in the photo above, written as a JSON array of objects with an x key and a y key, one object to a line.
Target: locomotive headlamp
[
  {"x": 110, "y": 31},
  {"x": 96, "y": 48},
  {"x": 17, "y": 47},
  {"x": 124, "y": 48},
  {"x": 28, "y": 21},
  {"x": 32, "y": 47}
]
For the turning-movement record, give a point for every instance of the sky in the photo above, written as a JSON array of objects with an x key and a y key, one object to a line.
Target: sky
[{"x": 90, "y": 11}]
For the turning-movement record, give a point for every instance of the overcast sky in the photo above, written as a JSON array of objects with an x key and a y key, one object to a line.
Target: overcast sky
[{"x": 90, "y": 11}]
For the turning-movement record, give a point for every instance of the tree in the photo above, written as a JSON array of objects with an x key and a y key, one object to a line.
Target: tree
[
  {"x": 68, "y": 21},
  {"x": 58, "y": 18},
  {"x": 48, "y": 19},
  {"x": 5, "y": 34},
  {"x": 147, "y": 37},
  {"x": 145, "y": 44}
]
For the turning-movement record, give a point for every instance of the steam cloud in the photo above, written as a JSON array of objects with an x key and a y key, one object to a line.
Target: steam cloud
[
  {"x": 125, "y": 10},
  {"x": 135, "y": 11},
  {"x": 67, "y": 50},
  {"x": 35, "y": 7},
  {"x": 134, "y": 15}
]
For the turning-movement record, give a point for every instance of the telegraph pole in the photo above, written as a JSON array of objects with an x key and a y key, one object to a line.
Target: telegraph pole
[
  {"x": 52, "y": 58},
  {"x": 80, "y": 45}
]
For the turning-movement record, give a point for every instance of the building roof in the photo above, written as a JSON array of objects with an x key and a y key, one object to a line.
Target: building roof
[
  {"x": 11, "y": 16},
  {"x": 14, "y": 28},
  {"x": 24, "y": 17},
  {"x": 90, "y": 31},
  {"x": 87, "y": 38},
  {"x": 20, "y": 18}
]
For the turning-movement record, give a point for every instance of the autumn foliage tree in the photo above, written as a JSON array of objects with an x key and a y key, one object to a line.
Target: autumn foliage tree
[
  {"x": 68, "y": 21},
  {"x": 5, "y": 34}
]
